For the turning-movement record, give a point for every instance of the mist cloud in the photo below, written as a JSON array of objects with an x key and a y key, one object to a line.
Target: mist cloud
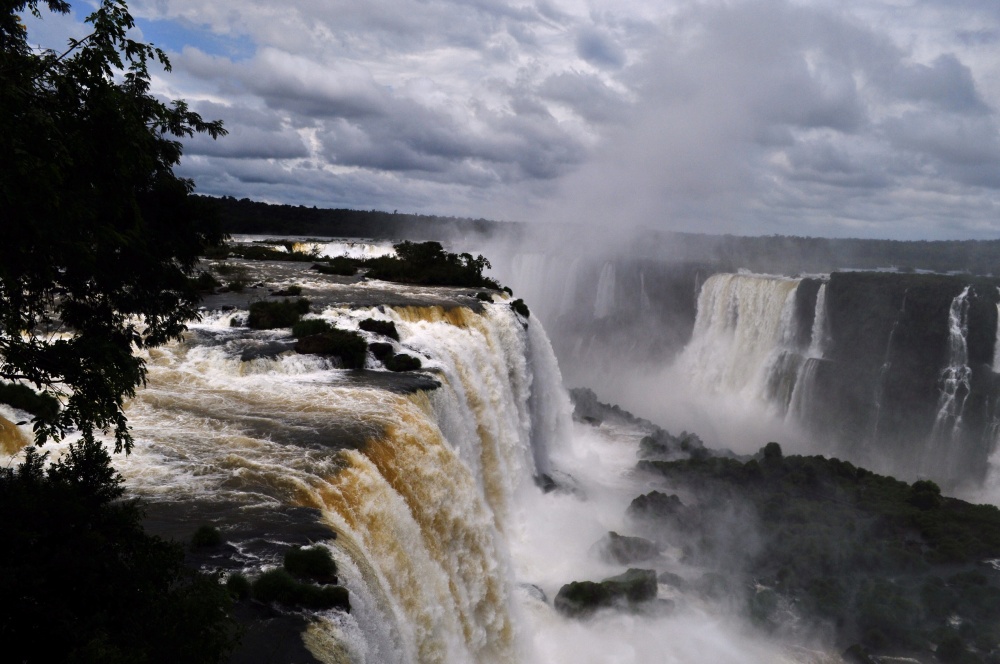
[{"x": 769, "y": 116}]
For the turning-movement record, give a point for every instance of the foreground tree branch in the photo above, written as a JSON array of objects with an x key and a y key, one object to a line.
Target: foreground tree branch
[{"x": 101, "y": 234}]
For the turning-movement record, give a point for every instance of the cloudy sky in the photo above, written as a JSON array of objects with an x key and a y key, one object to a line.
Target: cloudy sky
[{"x": 867, "y": 118}]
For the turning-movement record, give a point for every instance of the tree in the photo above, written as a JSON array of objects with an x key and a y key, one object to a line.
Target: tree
[
  {"x": 100, "y": 235},
  {"x": 84, "y": 583}
]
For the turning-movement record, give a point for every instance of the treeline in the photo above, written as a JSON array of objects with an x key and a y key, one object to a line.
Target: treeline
[
  {"x": 773, "y": 253},
  {"x": 253, "y": 217},
  {"x": 793, "y": 254}
]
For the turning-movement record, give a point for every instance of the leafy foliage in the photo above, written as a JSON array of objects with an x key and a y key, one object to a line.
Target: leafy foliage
[
  {"x": 428, "y": 264},
  {"x": 102, "y": 235},
  {"x": 82, "y": 582}
]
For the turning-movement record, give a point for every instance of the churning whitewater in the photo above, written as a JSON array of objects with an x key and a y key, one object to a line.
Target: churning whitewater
[{"x": 424, "y": 485}]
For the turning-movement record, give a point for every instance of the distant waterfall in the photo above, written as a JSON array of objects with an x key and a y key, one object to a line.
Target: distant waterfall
[
  {"x": 956, "y": 377},
  {"x": 604, "y": 303},
  {"x": 744, "y": 322},
  {"x": 996, "y": 344},
  {"x": 820, "y": 333},
  {"x": 883, "y": 375}
]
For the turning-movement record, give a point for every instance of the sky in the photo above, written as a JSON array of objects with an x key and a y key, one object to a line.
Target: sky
[{"x": 843, "y": 118}]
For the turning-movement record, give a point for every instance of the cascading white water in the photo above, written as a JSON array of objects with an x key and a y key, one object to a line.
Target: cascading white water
[
  {"x": 549, "y": 285},
  {"x": 421, "y": 505},
  {"x": 820, "y": 333},
  {"x": 744, "y": 322},
  {"x": 996, "y": 343},
  {"x": 954, "y": 380},
  {"x": 604, "y": 302},
  {"x": 645, "y": 304}
]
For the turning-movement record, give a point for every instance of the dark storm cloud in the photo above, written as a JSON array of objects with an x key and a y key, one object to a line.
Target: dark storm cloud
[
  {"x": 252, "y": 134},
  {"x": 851, "y": 117}
]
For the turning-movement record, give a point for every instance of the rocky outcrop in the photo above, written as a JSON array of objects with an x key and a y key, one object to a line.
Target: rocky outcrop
[
  {"x": 624, "y": 550},
  {"x": 628, "y": 590}
]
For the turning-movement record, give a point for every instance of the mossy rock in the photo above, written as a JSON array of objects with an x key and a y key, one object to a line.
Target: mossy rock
[
  {"x": 291, "y": 291},
  {"x": 402, "y": 362},
  {"x": 340, "y": 266},
  {"x": 43, "y": 406},
  {"x": 350, "y": 347},
  {"x": 238, "y": 586},
  {"x": 314, "y": 563},
  {"x": 582, "y": 598},
  {"x": 206, "y": 537},
  {"x": 386, "y": 328},
  {"x": 307, "y": 328},
  {"x": 520, "y": 307},
  {"x": 281, "y": 587},
  {"x": 381, "y": 350},
  {"x": 623, "y": 550},
  {"x": 655, "y": 505},
  {"x": 270, "y": 314}
]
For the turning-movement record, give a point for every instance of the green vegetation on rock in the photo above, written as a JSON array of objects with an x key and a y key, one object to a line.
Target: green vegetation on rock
[
  {"x": 340, "y": 266},
  {"x": 270, "y": 314},
  {"x": 630, "y": 589},
  {"x": 314, "y": 562},
  {"x": 349, "y": 346},
  {"x": 428, "y": 264},
  {"x": 520, "y": 307},
  {"x": 386, "y": 328},
  {"x": 896, "y": 567},
  {"x": 281, "y": 587}
]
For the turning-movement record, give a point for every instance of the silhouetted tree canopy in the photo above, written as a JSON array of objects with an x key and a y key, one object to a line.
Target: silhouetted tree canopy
[{"x": 100, "y": 235}]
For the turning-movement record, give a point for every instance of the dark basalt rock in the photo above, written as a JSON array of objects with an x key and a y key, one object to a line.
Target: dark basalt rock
[
  {"x": 582, "y": 598},
  {"x": 348, "y": 346},
  {"x": 402, "y": 362},
  {"x": 673, "y": 580},
  {"x": 268, "y": 350},
  {"x": 381, "y": 350},
  {"x": 623, "y": 550},
  {"x": 384, "y": 327},
  {"x": 655, "y": 505}
]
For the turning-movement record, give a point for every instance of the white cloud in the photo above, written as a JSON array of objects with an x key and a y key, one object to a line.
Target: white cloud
[{"x": 829, "y": 116}]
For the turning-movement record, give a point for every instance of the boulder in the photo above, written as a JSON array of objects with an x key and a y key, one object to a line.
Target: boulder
[
  {"x": 624, "y": 550},
  {"x": 628, "y": 590},
  {"x": 655, "y": 505}
]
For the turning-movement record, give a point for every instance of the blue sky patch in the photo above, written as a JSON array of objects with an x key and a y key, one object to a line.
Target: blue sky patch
[{"x": 175, "y": 35}]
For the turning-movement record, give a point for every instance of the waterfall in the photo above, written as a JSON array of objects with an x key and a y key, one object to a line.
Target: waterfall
[
  {"x": 820, "y": 334},
  {"x": 804, "y": 394},
  {"x": 743, "y": 326},
  {"x": 956, "y": 377},
  {"x": 996, "y": 343},
  {"x": 421, "y": 488},
  {"x": 645, "y": 304},
  {"x": 879, "y": 396},
  {"x": 604, "y": 302}
]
